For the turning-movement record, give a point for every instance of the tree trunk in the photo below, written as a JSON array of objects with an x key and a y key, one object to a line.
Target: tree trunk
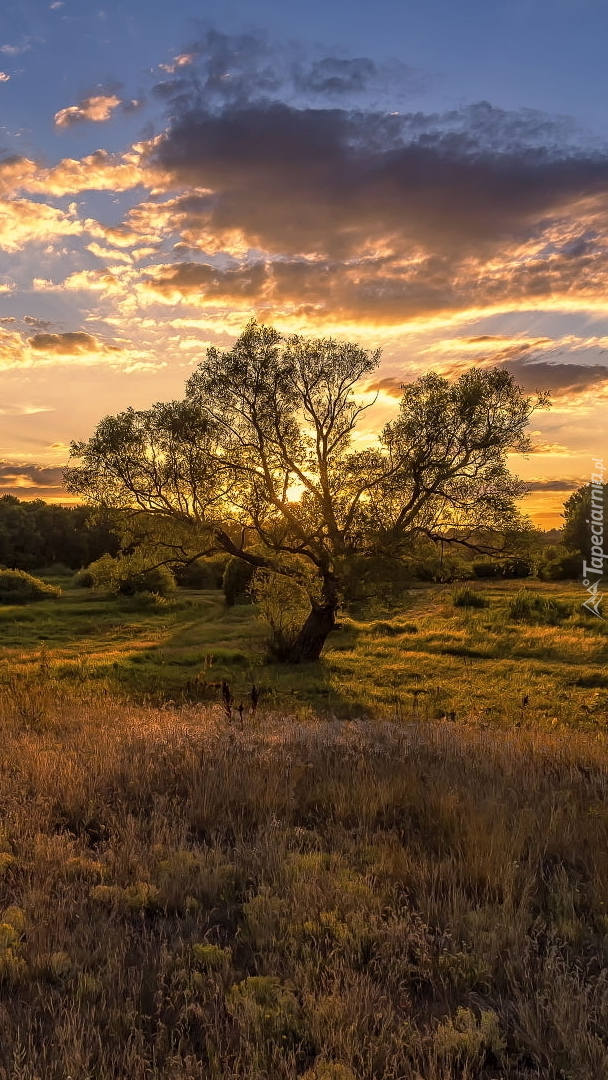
[
  {"x": 321, "y": 620},
  {"x": 313, "y": 635}
]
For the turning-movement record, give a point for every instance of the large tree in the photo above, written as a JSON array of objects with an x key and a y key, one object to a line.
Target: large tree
[{"x": 261, "y": 448}]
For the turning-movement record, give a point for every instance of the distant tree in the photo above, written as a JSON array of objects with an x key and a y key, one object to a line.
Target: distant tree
[
  {"x": 34, "y": 534},
  {"x": 257, "y": 461},
  {"x": 577, "y": 518}
]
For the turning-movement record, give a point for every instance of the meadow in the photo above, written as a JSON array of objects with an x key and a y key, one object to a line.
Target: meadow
[{"x": 396, "y": 867}]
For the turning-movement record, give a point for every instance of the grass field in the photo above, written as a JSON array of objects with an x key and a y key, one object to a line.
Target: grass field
[
  {"x": 394, "y": 870},
  {"x": 427, "y": 659}
]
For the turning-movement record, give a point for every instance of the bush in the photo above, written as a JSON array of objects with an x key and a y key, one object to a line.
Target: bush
[
  {"x": 283, "y": 606},
  {"x": 128, "y": 575},
  {"x": 467, "y": 598},
  {"x": 555, "y": 564},
  {"x": 506, "y": 568},
  {"x": 236, "y": 581},
  {"x": 17, "y": 587},
  {"x": 202, "y": 574},
  {"x": 84, "y": 579},
  {"x": 525, "y": 607},
  {"x": 367, "y": 578}
]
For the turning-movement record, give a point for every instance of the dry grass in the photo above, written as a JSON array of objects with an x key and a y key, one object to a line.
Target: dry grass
[{"x": 179, "y": 898}]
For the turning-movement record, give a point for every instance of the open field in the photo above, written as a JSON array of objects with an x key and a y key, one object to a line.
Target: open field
[
  {"x": 395, "y": 870},
  {"x": 425, "y": 660},
  {"x": 320, "y": 899}
]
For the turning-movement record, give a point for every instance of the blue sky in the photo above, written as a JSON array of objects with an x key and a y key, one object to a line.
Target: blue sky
[{"x": 428, "y": 177}]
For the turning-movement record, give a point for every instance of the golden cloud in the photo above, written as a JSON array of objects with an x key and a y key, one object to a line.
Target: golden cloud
[
  {"x": 97, "y": 108},
  {"x": 25, "y": 222}
]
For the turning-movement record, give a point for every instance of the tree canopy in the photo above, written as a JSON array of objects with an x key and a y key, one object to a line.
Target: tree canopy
[
  {"x": 259, "y": 460},
  {"x": 578, "y": 518}
]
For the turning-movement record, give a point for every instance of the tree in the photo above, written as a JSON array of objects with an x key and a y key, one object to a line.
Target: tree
[
  {"x": 578, "y": 517},
  {"x": 257, "y": 460}
]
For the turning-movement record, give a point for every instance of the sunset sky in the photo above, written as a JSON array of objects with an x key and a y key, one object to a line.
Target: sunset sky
[{"x": 426, "y": 176}]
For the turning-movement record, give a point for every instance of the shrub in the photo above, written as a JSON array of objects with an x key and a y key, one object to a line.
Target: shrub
[
  {"x": 506, "y": 568},
  {"x": 84, "y": 579},
  {"x": 467, "y": 598},
  {"x": 525, "y": 607},
  {"x": 283, "y": 606},
  {"x": 17, "y": 587},
  {"x": 236, "y": 581},
  {"x": 202, "y": 574},
  {"x": 128, "y": 575},
  {"x": 558, "y": 565}
]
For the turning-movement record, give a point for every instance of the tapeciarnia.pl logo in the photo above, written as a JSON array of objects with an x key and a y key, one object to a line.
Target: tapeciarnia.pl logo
[{"x": 594, "y": 570}]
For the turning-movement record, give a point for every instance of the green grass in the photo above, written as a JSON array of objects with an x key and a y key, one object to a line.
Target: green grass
[
  {"x": 420, "y": 894},
  {"x": 426, "y": 660}
]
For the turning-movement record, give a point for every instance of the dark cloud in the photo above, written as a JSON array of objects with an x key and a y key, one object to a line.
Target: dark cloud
[
  {"x": 220, "y": 69},
  {"x": 366, "y": 211},
  {"x": 69, "y": 344},
  {"x": 31, "y": 481},
  {"x": 208, "y": 281},
  {"x": 561, "y": 379},
  {"x": 330, "y": 180},
  {"x": 40, "y": 324},
  {"x": 553, "y": 485},
  {"x": 335, "y": 75}
]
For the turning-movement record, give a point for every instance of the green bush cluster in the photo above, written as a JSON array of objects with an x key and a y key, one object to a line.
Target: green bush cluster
[
  {"x": 205, "y": 573},
  {"x": 557, "y": 564},
  {"x": 128, "y": 575},
  {"x": 525, "y": 607},
  {"x": 506, "y": 568},
  {"x": 236, "y": 581},
  {"x": 467, "y": 598},
  {"x": 18, "y": 587}
]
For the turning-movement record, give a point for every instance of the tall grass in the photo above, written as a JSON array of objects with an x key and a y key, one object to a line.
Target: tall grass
[{"x": 182, "y": 898}]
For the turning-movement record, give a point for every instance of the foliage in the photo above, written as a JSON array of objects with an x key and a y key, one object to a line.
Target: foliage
[
  {"x": 577, "y": 519},
  {"x": 526, "y": 607},
  {"x": 36, "y": 534},
  {"x": 273, "y": 413},
  {"x": 205, "y": 573},
  {"x": 467, "y": 598},
  {"x": 236, "y": 581},
  {"x": 556, "y": 563},
  {"x": 506, "y": 568},
  {"x": 282, "y": 604},
  {"x": 84, "y": 579},
  {"x": 18, "y": 587},
  {"x": 130, "y": 574}
]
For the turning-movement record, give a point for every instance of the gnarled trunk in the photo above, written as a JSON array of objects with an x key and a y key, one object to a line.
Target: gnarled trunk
[{"x": 321, "y": 620}]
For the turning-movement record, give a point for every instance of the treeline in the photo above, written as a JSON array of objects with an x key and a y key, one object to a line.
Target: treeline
[{"x": 38, "y": 534}]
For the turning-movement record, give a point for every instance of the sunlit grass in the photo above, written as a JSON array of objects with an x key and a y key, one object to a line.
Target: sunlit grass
[{"x": 182, "y": 898}]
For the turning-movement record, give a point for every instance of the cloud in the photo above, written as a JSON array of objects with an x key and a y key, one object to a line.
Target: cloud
[
  {"x": 74, "y": 343},
  {"x": 389, "y": 385},
  {"x": 562, "y": 379},
  {"x": 24, "y": 410},
  {"x": 98, "y": 108},
  {"x": 207, "y": 284},
  {"x": 4, "y": 77},
  {"x": 15, "y": 50},
  {"x": 24, "y": 222},
  {"x": 379, "y": 215},
  {"x": 31, "y": 481},
  {"x": 548, "y": 484}
]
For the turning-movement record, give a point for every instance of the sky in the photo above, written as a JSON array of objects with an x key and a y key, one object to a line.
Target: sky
[{"x": 426, "y": 177}]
